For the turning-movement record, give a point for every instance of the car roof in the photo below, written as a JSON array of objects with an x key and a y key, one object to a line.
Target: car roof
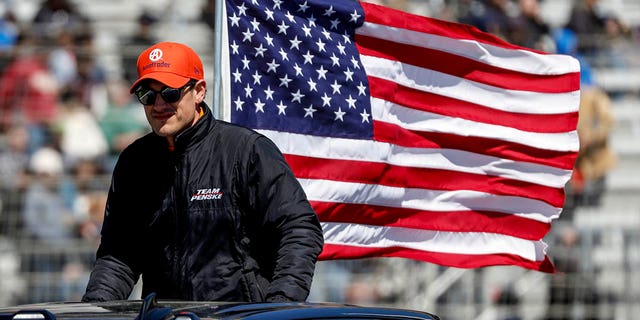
[{"x": 150, "y": 309}]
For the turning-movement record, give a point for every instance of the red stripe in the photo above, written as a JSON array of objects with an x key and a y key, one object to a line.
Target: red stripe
[
  {"x": 403, "y": 20},
  {"x": 466, "y": 68},
  {"x": 430, "y": 102},
  {"x": 422, "y": 178},
  {"x": 453, "y": 221},
  {"x": 334, "y": 251},
  {"x": 390, "y": 133}
]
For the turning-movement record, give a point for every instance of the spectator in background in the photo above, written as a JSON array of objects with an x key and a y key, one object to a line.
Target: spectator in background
[
  {"x": 45, "y": 214},
  {"x": 208, "y": 14},
  {"x": 13, "y": 178},
  {"x": 79, "y": 133},
  {"x": 528, "y": 28},
  {"x": 142, "y": 38},
  {"x": 595, "y": 158},
  {"x": 28, "y": 92},
  {"x": 55, "y": 16},
  {"x": 8, "y": 32},
  {"x": 62, "y": 61},
  {"x": 123, "y": 122},
  {"x": 595, "y": 30},
  {"x": 489, "y": 16}
]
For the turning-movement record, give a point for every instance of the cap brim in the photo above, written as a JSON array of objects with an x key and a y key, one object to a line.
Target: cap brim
[{"x": 171, "y": 80}]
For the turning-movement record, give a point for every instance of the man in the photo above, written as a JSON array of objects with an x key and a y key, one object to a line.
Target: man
[{"x": 203, "y": 209}]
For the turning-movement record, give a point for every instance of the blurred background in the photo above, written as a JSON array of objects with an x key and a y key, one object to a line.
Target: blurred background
[{"x": 66, "y": 113}]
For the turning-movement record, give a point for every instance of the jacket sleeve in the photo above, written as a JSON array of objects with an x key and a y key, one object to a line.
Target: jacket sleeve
[
  {"x": 110, "y": 280},
  {"x": 289, "y": 224},
  {"x": 114, "y": 273}
]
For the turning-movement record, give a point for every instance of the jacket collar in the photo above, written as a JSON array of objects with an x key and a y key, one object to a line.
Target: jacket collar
[{"x": 197, "y": 132}]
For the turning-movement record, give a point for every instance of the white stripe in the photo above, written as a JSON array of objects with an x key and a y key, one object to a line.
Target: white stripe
[
  {"x": 517, "y": 60},
  {"x": 428, "y": 200},
  {"x": 472, "y": 243},
  {"x": 445, "y": 159},
  {"x": 443, "y": 84},
  {"x": 412, "y": 119}
]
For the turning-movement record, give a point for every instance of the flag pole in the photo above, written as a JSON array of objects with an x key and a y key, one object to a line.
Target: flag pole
[{"x": 217, "y": 60}]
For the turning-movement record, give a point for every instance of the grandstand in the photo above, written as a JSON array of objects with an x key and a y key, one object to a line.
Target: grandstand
[{"x": 609, "y": 232}]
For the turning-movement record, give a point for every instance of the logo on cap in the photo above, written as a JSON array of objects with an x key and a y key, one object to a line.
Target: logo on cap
[{"x": 155, "y": 55}]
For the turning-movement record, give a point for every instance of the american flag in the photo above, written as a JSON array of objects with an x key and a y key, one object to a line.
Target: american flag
[{"x": 412, "y": 137}]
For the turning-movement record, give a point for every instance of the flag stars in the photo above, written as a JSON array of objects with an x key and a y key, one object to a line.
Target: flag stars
[
  {"x": 283, "y": 54},
  {"x": 312, "y": 21},
  {"x": 322, "y": 73},
  {"x": 320, "y": 45},
  {"x": 247, "y": 35},
  {"x": 297, "y": 96},
  {"x": 308, "y": 112},
  {"x": 326, "y": 34},
  {"x": 295, "y": 43},
  {"x": 306, "y": 30},
  {"x": 276, "y": 4},
  {"x": 269, "y": 14},
  {"x": 234, "y": 47},
  {"x": 247, "y": 91},
  {"x": 281, "y": 108},
  {"x": 298, "y": 69},
  {"x": 282, "y": 28},
  {"x": 365, "y": 116},
  {"x": 242, "y": 10},
  {"x": 355, "y": 16},
  {"x": 355, "y": 62},
  {"x": 334, "y": 24},
  {"x": 255, "y": 24},
  {"x": 290, "y": 17},
  {"x": 238, "y": 103},
  {"x": 260, "y": 51},
  {"x": 269, "y": 40},
  {"x": 346, "y": 37},
  {"x": 308, "y": 57},
  {"x": 336, "y": 87},
  {"x": 273, "y": 66},
  {"x": 269, "y": 93},
  {"x": 235, "y": 20},
  {"x": 341, "y": 48},
  {"x": 237, "y": 76},
  {"x": 259, "y": 106},
  {"x": 339, "y": 114},
  {"x": 303, "y": 7},
  {"x": 335, "y": 61},
  {"x": 351, "y": 102},
  {"x": 284, "y": 81},
  {"x": 245, "y": 63},
  {"x": 256, "y": 78},
  {"x": 326, "y": 100},
  {"x": 348, "y": 74},
  {"x": 312, "y": 85},
  {"x": 329, "y": 12},
  {"x": 362, "y": 89}
]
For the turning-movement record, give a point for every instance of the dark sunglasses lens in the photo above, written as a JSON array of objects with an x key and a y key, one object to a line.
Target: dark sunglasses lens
[
  {"x": 170, "y": 95},
  {"x": 145, "y": 96}
]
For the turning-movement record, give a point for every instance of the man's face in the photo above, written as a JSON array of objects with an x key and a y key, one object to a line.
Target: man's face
[{"x": 169, "y": 119}]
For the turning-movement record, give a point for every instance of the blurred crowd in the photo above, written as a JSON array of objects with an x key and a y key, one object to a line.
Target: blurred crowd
[{"x": 64, "y": 120}]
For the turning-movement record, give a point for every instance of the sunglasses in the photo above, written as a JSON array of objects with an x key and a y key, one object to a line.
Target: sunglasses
[{"x": 147, "y": 96}]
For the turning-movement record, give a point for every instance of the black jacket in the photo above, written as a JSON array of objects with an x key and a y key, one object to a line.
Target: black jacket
[{"x": 219, "y": 218}]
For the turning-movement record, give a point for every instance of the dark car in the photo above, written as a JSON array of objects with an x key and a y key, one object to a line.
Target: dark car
[{"x": 150, "y": 309}]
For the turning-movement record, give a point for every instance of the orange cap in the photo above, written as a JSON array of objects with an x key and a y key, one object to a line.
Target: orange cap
[{"x": 171, "y": 63}]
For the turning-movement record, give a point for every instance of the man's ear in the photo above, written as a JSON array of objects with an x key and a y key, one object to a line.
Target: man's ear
[{"x": 201, "y": 90}]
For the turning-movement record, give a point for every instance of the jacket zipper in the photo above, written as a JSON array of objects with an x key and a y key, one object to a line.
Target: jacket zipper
[{"x": 176, "y": 235}]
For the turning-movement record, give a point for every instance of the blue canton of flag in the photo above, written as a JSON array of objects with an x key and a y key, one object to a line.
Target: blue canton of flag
[{"x": 295, "y": 67}]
